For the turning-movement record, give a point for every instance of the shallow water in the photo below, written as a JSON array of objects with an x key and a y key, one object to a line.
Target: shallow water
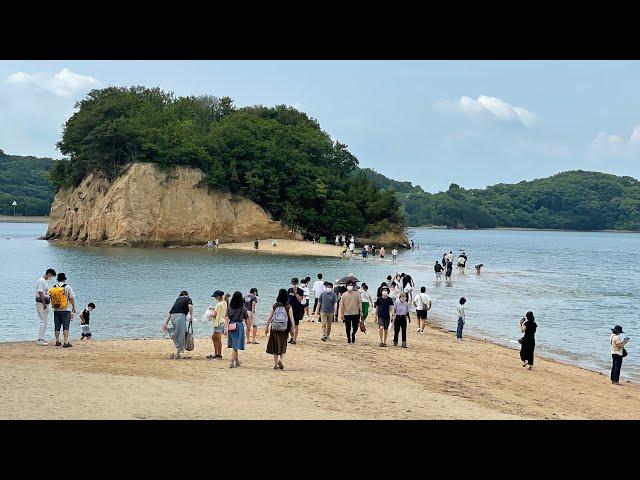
[{"x": 578, "y": 284}]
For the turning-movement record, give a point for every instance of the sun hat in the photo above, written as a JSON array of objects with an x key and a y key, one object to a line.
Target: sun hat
[{"x": 617, "y": 329}]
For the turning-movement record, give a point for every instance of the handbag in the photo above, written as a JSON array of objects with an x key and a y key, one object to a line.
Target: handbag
[
  {"x": 188, "y": 337},
  {"x": 232, "y": 326},
  {"x": 363, "y": 327},
  {"x": 624, "y": 352}
]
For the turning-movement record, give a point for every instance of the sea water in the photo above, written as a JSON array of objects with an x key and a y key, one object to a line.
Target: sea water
[{"x": 578, "y": 284}]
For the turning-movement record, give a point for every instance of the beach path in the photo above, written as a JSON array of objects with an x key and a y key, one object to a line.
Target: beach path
[{"x": 434, "y": 378}]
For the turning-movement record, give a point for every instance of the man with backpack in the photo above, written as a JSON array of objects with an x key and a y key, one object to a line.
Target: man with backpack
[
  {"x": 42, "y": 300},
  {"x": 64, "y": 306},
  {"x": 423, "y": 305}
]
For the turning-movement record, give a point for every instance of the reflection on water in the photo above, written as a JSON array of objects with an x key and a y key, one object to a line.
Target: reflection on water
[{"x": 578, "y": 284}]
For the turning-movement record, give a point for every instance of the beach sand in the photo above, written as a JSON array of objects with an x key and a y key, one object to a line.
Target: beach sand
[
  {"x": 21, "y": 219},
  {"x": 434, "y": 378},
  {"x": 288, "y": 247}
]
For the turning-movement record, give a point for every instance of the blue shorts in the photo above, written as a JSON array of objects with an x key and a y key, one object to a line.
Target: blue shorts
[{"x": 61, "y": 318}]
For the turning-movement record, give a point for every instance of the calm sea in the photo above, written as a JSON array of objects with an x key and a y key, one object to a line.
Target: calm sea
[{"x": 578, "y": 284}]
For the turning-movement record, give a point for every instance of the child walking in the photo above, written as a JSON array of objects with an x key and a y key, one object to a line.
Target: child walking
[{"x": 84, "y": 321}]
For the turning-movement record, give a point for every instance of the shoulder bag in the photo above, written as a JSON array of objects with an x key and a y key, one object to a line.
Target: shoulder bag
[{"x": 188, "y": 340}]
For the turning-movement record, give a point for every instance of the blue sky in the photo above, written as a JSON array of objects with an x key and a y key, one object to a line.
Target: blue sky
[{"x": 475, "y": 123}]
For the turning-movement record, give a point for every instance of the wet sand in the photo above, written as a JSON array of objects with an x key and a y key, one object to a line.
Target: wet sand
[
  {"x": 20, "y": 219},
  {"x": 288, "y": 247},
  {"x": 435, "y": 378}
]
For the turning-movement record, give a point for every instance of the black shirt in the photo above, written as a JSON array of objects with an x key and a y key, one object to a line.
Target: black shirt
[
  {"x": 383, "y": 307},
  {"x": 437, "y": 267},
  {"x": 181, "y": 305},
  {"x": 293, "y": 300},
  {"x": 84, "y": 317}
]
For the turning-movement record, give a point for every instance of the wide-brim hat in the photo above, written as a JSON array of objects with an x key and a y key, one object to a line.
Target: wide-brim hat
[{"x": 617, "y": 329}]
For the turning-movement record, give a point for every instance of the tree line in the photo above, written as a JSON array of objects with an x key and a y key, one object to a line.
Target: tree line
[
  {"x": 25, "y": 180},
  {"x": 573, "y": 200},
  {"x": 276, "y": 156}
]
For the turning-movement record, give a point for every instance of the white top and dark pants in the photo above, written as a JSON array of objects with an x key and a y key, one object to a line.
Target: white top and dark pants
[
  {"x": 616, "y": 355},
  {"x": 461, "y": 318}
]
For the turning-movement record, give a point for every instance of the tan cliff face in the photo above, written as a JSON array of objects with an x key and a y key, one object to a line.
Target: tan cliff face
[{"x": 147, "y": 206}]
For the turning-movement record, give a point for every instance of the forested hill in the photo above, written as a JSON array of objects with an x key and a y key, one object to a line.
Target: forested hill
[
  {"x": 26, "y": 181},
  {"x": 276, "y": 156},
  {"x": 574, "y": 200}
]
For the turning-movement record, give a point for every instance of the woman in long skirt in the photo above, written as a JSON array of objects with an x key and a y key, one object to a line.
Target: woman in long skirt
[
  {"x": 528, "y": 326},
  {"x": 277, "y": 344}
]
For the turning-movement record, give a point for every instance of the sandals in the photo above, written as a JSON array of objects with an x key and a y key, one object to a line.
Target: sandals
[
  {"x": 211, "y": 357},
  {"x": 58, "y": 344},
  {"x": 66, "y": 345},
  {"x": 280, "y": 365}
]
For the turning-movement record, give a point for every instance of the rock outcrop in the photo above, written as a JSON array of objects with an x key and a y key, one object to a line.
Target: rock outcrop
[{"x": 147, "y": 206}]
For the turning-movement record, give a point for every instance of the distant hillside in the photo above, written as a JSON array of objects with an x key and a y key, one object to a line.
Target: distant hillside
[
  {"x": 574, "y": 200},
  {"x": 25, "y": 180}
]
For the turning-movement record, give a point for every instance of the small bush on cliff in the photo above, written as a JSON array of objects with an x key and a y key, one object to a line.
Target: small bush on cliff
[{"x": 278, "y": 157}]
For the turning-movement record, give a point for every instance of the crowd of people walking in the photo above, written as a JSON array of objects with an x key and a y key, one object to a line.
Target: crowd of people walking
[{"x": 233, "y": 315}]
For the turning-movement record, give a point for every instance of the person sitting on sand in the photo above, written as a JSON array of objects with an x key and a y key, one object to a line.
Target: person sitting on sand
[
  {"x": 384, "y": 312},
  {"x": 215, "y": 314},
  {"x": 178, "y": 318},
  {"x": 234, "y": 327},
  {"x": 279, "y": 323},
  {"x": 528, "y": 326}
]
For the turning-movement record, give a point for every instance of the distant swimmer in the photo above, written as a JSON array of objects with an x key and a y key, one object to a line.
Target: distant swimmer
[
  {"x": 438, "y": 269},
  {"x": 478, "y": 267}
]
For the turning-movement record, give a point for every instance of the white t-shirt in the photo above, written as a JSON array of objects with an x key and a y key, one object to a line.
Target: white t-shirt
[
  {"x": 615, "y": 350},
  {"x": 68, "y": 291},
  {"x": 422, "y": 301},
  {"x": 394, "y": 252},
  {"x": 305, "y": 295},
  {"x": 365, "y": 296},
  {"x": 460, "y": 311},
  {"x": 42, "y": 286},
  {"x": 352, "y": 246},
  {"x": 318, "y": 288}
]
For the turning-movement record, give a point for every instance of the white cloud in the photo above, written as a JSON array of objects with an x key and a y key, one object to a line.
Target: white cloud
[
  {"x": 65, "y": 83},
  {"x": 635, "y": 135},
  {"x": 603, "y": 138},
  {"x": 495, "y": 107}
]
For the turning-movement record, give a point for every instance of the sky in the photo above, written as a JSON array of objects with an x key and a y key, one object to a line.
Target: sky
[{"x": 474, "y": 123}]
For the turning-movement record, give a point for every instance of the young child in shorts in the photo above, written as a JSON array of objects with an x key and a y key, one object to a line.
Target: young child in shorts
[{"x": 84, "y": 321}]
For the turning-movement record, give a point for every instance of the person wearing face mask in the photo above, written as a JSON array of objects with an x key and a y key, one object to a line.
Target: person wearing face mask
[
  {"x": 401, "y": 315},
  {"x": 84, "y": 321},
  {"x": 350, "y": 311},
  {"x": 384, "y": 311},
  {"x": 326, "y": 309},
  {"x": 296, "y": 296},
  {"x": 366, "y": 299}
]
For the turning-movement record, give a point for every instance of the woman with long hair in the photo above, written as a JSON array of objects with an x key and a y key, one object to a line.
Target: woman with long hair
[
  {"x": 234, "y": 326},
  {"x": 528, "y": 326},
  {"x": 279, "y": 322}
]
